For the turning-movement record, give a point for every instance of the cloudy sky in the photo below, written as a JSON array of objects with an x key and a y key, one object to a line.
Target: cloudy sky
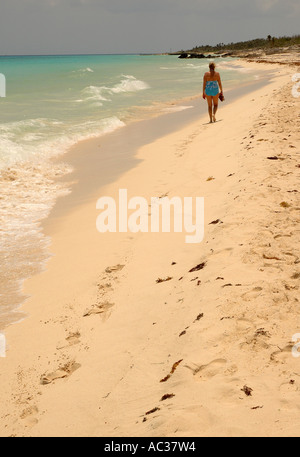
[{"x": 136, "y": 26}]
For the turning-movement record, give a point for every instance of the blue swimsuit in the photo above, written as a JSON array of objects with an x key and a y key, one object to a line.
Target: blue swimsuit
[{"x": 212, "y": 88}]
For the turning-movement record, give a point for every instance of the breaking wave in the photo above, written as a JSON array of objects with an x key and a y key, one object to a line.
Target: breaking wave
[{"x": 127, "y": 84}]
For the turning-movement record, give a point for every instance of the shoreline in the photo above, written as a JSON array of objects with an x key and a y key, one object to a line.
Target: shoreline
[
  {"x": 111, "y": 360},
  {"x": 121, "y": 146},
  {"x": 278, "y": 55},
  {"x": 115, "y": 159}
]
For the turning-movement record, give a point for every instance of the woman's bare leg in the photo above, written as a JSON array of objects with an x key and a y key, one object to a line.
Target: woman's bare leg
[
  {"x": 215, "y": 100},
  {"x": 209, "y": 99}
]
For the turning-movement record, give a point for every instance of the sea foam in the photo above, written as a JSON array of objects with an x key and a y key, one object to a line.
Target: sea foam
[{"x": 128, "y": 83}]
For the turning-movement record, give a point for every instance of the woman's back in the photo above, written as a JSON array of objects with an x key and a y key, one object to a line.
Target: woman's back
[
  {"x": 212, "y": 75},
  {"x": 212, "y": 88}
]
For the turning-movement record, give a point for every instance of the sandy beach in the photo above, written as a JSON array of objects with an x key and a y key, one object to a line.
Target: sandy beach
[{"x": 143, "y": 334}]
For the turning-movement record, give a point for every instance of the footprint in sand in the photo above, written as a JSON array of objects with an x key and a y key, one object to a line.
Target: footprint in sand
[
  {"x": 289, "y": 386},
  {"x": 211, "y": 369},
  {"x": 258, "y": 341},
  {"x": 28, "y": 416},
  {"x": 72, "y": 338},
  {"x": 252, "y": 294},
  {"x": 101, "y": 308},
  {"x": 105, "y": 287},
  {"x": 243, "y": 324},
  {"x": 283, "y": 355},
  {"x": 114, "y": 268},
  {"x": 62, "y": 372},
  {"x": 223, "y": 252}
]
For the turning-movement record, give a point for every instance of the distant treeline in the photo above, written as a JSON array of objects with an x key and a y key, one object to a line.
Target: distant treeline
[{"x": 251, "y": 44}]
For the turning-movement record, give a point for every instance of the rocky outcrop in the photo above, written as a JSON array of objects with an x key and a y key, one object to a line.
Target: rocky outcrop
[
  {"x": 183, "y": 55},
  {"x": 195, "y": 55}
]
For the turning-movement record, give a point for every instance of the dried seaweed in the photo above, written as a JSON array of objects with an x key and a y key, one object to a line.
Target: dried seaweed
[
  {"x": 247, "y": 390},
  {"x": 151, "y": 411},
  {"x": 166, "y": 397},
  {"x": 159, "y": 280},
  {"x": 295, "y": 276},
  {"x": 285, "y": 205},
  {"x": 175, "y": 365},
  {"x": 200, "y": 266}
]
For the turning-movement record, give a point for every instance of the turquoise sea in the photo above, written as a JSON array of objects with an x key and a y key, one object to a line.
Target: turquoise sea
[{"x": 53, "y": 102}]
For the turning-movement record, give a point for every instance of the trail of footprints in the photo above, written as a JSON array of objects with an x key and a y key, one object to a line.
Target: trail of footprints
[
  {"x": 260, "y": 326},
  {"x": 68, "y": 365},
  {"x": 102, "y": 307},
  {"x": 245, "y": 330}
]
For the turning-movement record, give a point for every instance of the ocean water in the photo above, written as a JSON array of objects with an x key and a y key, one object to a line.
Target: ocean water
[{"x": 53, "y": 102}]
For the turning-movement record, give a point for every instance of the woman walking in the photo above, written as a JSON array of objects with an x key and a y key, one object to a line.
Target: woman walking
[{"x": 212, "y": 88}]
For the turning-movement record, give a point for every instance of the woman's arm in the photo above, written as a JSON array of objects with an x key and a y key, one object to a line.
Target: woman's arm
[
  {"x": 204, "y": 84},
  {"x": 220, "y": 83}
]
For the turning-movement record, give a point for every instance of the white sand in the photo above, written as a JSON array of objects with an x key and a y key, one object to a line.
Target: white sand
[{"x": 67, "y": 374}]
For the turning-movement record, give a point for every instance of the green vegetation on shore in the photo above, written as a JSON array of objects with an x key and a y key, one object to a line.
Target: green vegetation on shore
[{"x": 258, "y": 43}]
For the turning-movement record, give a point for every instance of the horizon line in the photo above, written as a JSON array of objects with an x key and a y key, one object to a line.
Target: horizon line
[{"x": 87, "y": 54}]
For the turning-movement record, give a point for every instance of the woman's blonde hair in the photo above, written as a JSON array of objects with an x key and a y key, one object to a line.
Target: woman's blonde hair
[{"x": 212, "y": 66}]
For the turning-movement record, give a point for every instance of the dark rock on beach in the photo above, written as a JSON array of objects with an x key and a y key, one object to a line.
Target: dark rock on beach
[{"x": 195, "y": 55}]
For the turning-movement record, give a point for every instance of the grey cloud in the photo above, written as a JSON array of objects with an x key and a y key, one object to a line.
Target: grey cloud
[{"x": 120, "y": 26}]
